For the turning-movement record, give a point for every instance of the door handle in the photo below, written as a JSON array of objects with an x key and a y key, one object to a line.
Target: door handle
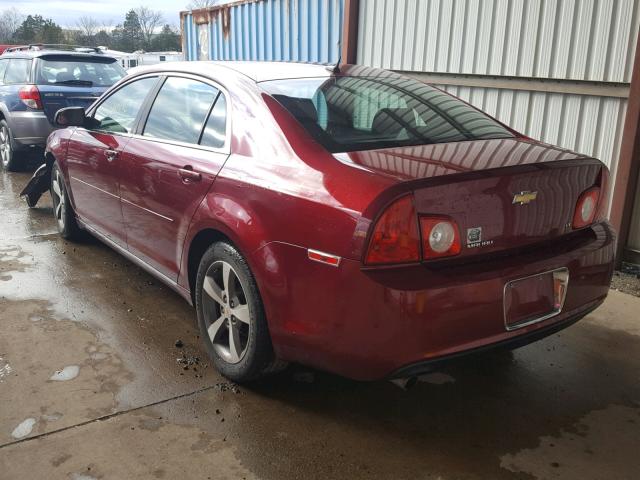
[
  {"x": 188, "y": 175},
  {"x": 111, "y": 155}
]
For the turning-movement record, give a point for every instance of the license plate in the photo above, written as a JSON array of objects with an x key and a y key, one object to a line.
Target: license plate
[{"x": 534, "y": 298}]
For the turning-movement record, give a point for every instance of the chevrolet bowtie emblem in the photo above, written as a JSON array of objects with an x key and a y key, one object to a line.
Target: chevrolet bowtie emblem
[{"x": 523, "y": 198}]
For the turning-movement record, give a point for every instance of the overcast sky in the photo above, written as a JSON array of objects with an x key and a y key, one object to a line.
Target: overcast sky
[{"x": 65, "y": 12}]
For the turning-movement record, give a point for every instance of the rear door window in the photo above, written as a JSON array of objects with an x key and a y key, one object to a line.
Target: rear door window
[
  {"x": 119, "y": 111},
  {"x": 180, "y": 110},
  {"x": 215, "y": 131},
  {"x": 17, "y": 71}
]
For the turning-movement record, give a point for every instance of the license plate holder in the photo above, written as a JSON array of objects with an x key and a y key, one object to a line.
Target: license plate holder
[{"x": 534, "y": 298}]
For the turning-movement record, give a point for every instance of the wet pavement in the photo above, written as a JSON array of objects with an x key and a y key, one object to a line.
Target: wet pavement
[{"x": 92, "y": 386}]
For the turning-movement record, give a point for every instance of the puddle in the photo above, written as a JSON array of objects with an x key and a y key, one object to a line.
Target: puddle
[
  {"x": 24, "y": 428},
  {"x": 47, "y": 357},
  {"x": 67, "y": 373},
  {"x": 603, "y": 444},
  {"x": 12, "y": 260},
  {"x": 5, "y": 369},
  {"x": 53, "y": 417},
  {"x": 82, "y": 476}
]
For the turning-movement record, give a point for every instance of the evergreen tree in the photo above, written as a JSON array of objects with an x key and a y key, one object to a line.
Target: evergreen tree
[
  {"x": 167, "y": 40},
  {"x": 128, "y": 35},
  {"x": 36, "y": 29}
]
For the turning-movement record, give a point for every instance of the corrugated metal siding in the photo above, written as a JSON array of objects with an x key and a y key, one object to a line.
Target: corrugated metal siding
[
  {"x": 562, "y": 39},
  {"x": 289, "y": 30},
  {"x": 582, "y": 123},
  {"x": 581, "y": 40}
]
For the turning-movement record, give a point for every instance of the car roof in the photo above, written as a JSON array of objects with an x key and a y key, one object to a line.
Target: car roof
[
  {"x": 44, "y": 53},
  {"x": 259, "y": 71}
]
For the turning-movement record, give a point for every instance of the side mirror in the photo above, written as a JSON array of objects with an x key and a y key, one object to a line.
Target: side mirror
[{"x": 70, "y": 117}]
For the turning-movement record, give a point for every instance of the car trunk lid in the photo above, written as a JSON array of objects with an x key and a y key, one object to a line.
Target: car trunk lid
[{"x": 503, "y": 194}]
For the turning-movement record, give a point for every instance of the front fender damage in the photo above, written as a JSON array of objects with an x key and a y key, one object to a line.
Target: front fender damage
[{"x": 39, "y": 183}]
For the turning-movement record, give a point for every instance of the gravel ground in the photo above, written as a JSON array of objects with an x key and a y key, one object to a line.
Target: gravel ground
[{"x": 626, "y": 282}]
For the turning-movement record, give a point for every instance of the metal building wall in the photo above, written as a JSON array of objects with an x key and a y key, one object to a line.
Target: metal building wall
[
  {"x": 584, "y": 123},
  {"x": 298, "y": 30},
  {"x": 564, "y": 42}
]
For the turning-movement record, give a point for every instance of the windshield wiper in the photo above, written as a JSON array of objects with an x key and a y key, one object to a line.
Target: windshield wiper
[{"x": 85, "y": 83}]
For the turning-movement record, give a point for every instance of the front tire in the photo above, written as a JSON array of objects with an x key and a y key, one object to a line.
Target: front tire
[
  {"x": 62, "y": 209},
  {"x": 231, "y": 316},
  {"x": 7, "y": 148}
]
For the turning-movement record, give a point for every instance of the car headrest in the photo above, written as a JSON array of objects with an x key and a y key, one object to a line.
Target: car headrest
[
  {"x": 303, "y": 108},
  {"x": 64, "y": 76},
  {"x": 392, "y": 120}
]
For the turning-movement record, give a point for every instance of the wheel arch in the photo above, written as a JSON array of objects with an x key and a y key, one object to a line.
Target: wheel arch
[
  {"x": 196, "y": 249},
  {"x": 4, "y": 112}
]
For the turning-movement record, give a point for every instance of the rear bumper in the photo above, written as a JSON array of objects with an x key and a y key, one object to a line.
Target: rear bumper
[
  {"x": 369, "y": 325},
  {"x": 30, "y": 128},
  {"x": 518, "y": 341}
]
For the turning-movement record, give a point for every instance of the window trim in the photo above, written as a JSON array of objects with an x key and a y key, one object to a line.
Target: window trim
[
  {"x": 225, "y": 149},
  {"x": 143, "y": 114}
]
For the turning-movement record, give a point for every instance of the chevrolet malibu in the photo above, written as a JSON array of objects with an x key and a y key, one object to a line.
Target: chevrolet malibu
[{"x": 350, "y": 219}]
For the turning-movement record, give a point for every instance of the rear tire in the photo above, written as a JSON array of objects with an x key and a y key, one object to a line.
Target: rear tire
[
  {"x": 62, "y": 209},
  {"x": 231, "y": 316},
  {"x": 7, "y": 148}
]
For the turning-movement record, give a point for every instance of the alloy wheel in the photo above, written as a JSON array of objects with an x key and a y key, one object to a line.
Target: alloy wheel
[
  {"x": 5, "y": 146},
  {"x": 59, "y": 202},
  {"x": 226, "y": 312}
]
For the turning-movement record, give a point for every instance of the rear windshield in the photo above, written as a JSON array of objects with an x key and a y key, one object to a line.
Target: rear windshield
[
  {"x": 359, "y": 113},
  {"x": 87, "y": 72}
]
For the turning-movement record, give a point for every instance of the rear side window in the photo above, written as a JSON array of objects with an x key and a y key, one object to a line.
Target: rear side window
[
  {"x": 3, "y": 69},
  {"x": 180, "y": 110},
  {"x": 215, "y": 131},
  {"x": 17, "y": 71},
  {"x": 118, "y": 112}
]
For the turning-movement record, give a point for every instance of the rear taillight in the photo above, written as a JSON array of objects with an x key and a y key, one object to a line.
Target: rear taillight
[
  {"x": 440, "y": 237},
  {"x": 586, "y": 208},
  {"x": 398, "y": 232},
  {"x": 30, "y": 96},
  {"x": 395, "y": 238}
]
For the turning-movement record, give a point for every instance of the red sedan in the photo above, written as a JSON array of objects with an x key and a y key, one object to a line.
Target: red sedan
[{"x": 354, "y": 220}]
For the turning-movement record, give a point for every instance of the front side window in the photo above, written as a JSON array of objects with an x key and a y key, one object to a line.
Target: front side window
[
  {"x": 118, "y": 112},
  {"x": 180, "y": 110},
  {"x": 70, "y": 70},
  {"x": 17, "y": 71},
  {"x": 361, "y": 113}
]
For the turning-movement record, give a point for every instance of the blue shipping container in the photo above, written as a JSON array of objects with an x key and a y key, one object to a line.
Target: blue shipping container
[{"x": 286, "y": 30}]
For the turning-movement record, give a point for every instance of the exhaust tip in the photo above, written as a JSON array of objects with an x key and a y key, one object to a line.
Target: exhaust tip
[{"x": 405, "y": 383}]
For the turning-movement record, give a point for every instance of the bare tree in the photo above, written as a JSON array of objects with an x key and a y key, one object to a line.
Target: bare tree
[
  {"x": 106, "y": 25},
  {"x": 10, "y": 20},
  {"x": 195, "y": 4},
  {"x": 88, "y": 26},
  {"x": 149, "y": 21}
]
